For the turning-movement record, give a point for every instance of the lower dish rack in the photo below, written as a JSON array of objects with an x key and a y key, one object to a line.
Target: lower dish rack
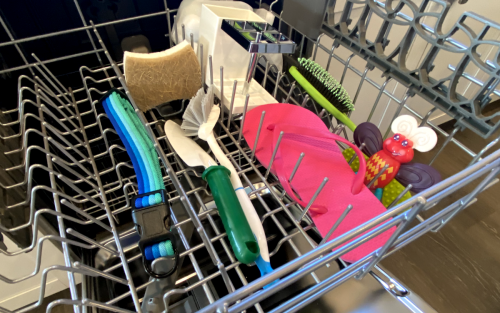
[{"x": 73, "y": 163}]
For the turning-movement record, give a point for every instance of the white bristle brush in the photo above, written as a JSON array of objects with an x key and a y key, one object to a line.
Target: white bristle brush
[{"x": 199, "y": 120}]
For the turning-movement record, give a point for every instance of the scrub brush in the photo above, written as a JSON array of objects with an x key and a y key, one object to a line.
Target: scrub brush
[
  {"x": 324, "y": 89},
  {"x": 199, "y": 120}
]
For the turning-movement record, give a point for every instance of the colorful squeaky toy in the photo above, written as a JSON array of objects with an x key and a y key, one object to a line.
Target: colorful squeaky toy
[{"x": 397, "y": 152}]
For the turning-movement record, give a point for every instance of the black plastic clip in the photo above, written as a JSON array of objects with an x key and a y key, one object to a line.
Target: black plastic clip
[{"x": 151, "y": 224}]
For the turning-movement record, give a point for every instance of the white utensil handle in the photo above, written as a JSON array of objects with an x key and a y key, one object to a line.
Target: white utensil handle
[
  {"x": 254, "y": 221},
  {"x": 248, "y": 208},
  {"x": 223, "y": 160}
]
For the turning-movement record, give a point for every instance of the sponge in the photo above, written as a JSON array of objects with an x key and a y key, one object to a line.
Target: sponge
[{"x": 156, "y": 78}]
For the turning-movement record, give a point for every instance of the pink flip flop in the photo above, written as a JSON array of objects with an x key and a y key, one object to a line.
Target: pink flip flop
[{"x": 305, "y": 132}]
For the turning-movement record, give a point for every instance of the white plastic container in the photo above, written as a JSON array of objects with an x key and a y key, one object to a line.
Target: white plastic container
[
  {"x": 226, "y": 52},
  {"x": 189, "y": 15}
]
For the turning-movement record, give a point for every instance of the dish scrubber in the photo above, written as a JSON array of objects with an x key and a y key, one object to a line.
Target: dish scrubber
[
  {"x": 200, "y": 118},
  {"x": 156, "y": 78},
  {"x": 324, "y": 89}
]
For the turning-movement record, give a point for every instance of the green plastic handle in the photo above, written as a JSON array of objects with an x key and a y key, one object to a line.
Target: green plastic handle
[
  {"x": 318, "y": 97},
  {"x": 245, "y": 246}
]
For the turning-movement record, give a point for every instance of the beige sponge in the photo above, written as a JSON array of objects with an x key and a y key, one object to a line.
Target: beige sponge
[{"x": 156, "y": 78}]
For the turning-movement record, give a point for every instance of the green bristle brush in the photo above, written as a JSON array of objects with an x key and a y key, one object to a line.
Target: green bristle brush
[{"x": 324, "y": 89}]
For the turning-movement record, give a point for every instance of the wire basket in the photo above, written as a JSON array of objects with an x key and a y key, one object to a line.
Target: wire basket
[{"x": 70, "y": 169}]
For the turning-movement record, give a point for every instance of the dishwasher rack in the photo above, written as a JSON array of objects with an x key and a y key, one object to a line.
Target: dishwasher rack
[{"x": 86, "y": 180}]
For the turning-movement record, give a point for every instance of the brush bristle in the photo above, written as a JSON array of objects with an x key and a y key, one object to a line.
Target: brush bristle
[
  {"x": 193, "y": 117},
  {"x": 197, "y": 111},
  {"x": 328, "y": 86}
]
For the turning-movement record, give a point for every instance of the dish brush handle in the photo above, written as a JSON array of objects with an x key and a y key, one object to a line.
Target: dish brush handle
[
  {"x": 254, "y": 221},
  {"x": 239, "y": 233},
  {"x": 250, "y": 213},
  {"x": 318, "y": 97}
]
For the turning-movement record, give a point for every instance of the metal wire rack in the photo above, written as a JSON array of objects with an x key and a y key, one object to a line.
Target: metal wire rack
[{"x": 86, "y": 180}]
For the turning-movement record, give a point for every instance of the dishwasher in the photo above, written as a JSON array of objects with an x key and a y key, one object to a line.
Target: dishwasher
[{"x": 66, "y": 174}]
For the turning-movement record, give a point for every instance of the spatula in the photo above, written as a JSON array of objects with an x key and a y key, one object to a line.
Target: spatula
[{"x": 238, "y": 230}]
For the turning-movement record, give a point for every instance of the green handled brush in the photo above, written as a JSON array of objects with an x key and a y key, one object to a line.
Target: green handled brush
[{"x": 324, "y": 89}]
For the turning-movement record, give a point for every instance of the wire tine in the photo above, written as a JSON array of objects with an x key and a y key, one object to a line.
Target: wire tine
[
  {"x": 296, "y": 167},
  {"x": 85, "y": 214},
  {"x": 339, "y": 129},
  {"x": 86, "y": 302},
  {"x": 320, "y": 115},
  {"x": 316, "y": 194},
  {"x": 378, "y": 99},
  {"x": 408, "y": 218},
  {"x": 337, "y": 223},
  {"x": 274, "y": 155},
  {"x": 85, "y": 195},
  {"x": 276, "y": 87},
  {"x": 72, "y": 171},
  {"x": 346, "y": 66},
  {"x": 363, "y": 78},
  {"x": 445, "y": 143},
  {"x": 222, "y": 93},
  {"x": 168, "y": 23},
  {"x": 94, "y": 272},
  {"x": 470, "y": 197},
  {"x": 398, "y": 111},
  {"x": 266, "y": 73},
  {"x": 245, "y": 107},
  {"x": 52, "y": 104},
  {"x": 200, "y": 46},
  {"x": 334, "y": 129},
  {"x": 352, "y": 159},
  {"x": 66, "y": 153},
  {"x": 355, "y": 154},
  {"x": 345, "y": 133},
  {"x": 176, "y": 32},
  {"x": 211, "y": 70},
  {"x": 377, "y": 176},
  {"x": 53, "y": 77},
  {"x": 478, "y": 156},
  {"x": 91, "y": 241},
  {"x": 183, "y": 32},
  {"x": 401, "y": 194},
  {"x": 60, "y": 135},
  {"x": 141, "y": 116},
  {"x": 330, "y": 57},
  {"x": 258, "y": 134},
  {"x": 233, "y": 97},
  {"x": 290, "y": 92},
  {"x": 42, "y": 86},
  {"x": 427, "y": 116},
  {"x": 53, "y": 141},
  {"x": 304, "y": 102}
]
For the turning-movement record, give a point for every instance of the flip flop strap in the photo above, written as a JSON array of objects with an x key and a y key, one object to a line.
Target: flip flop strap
[{"x": 313, "y": 134}]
